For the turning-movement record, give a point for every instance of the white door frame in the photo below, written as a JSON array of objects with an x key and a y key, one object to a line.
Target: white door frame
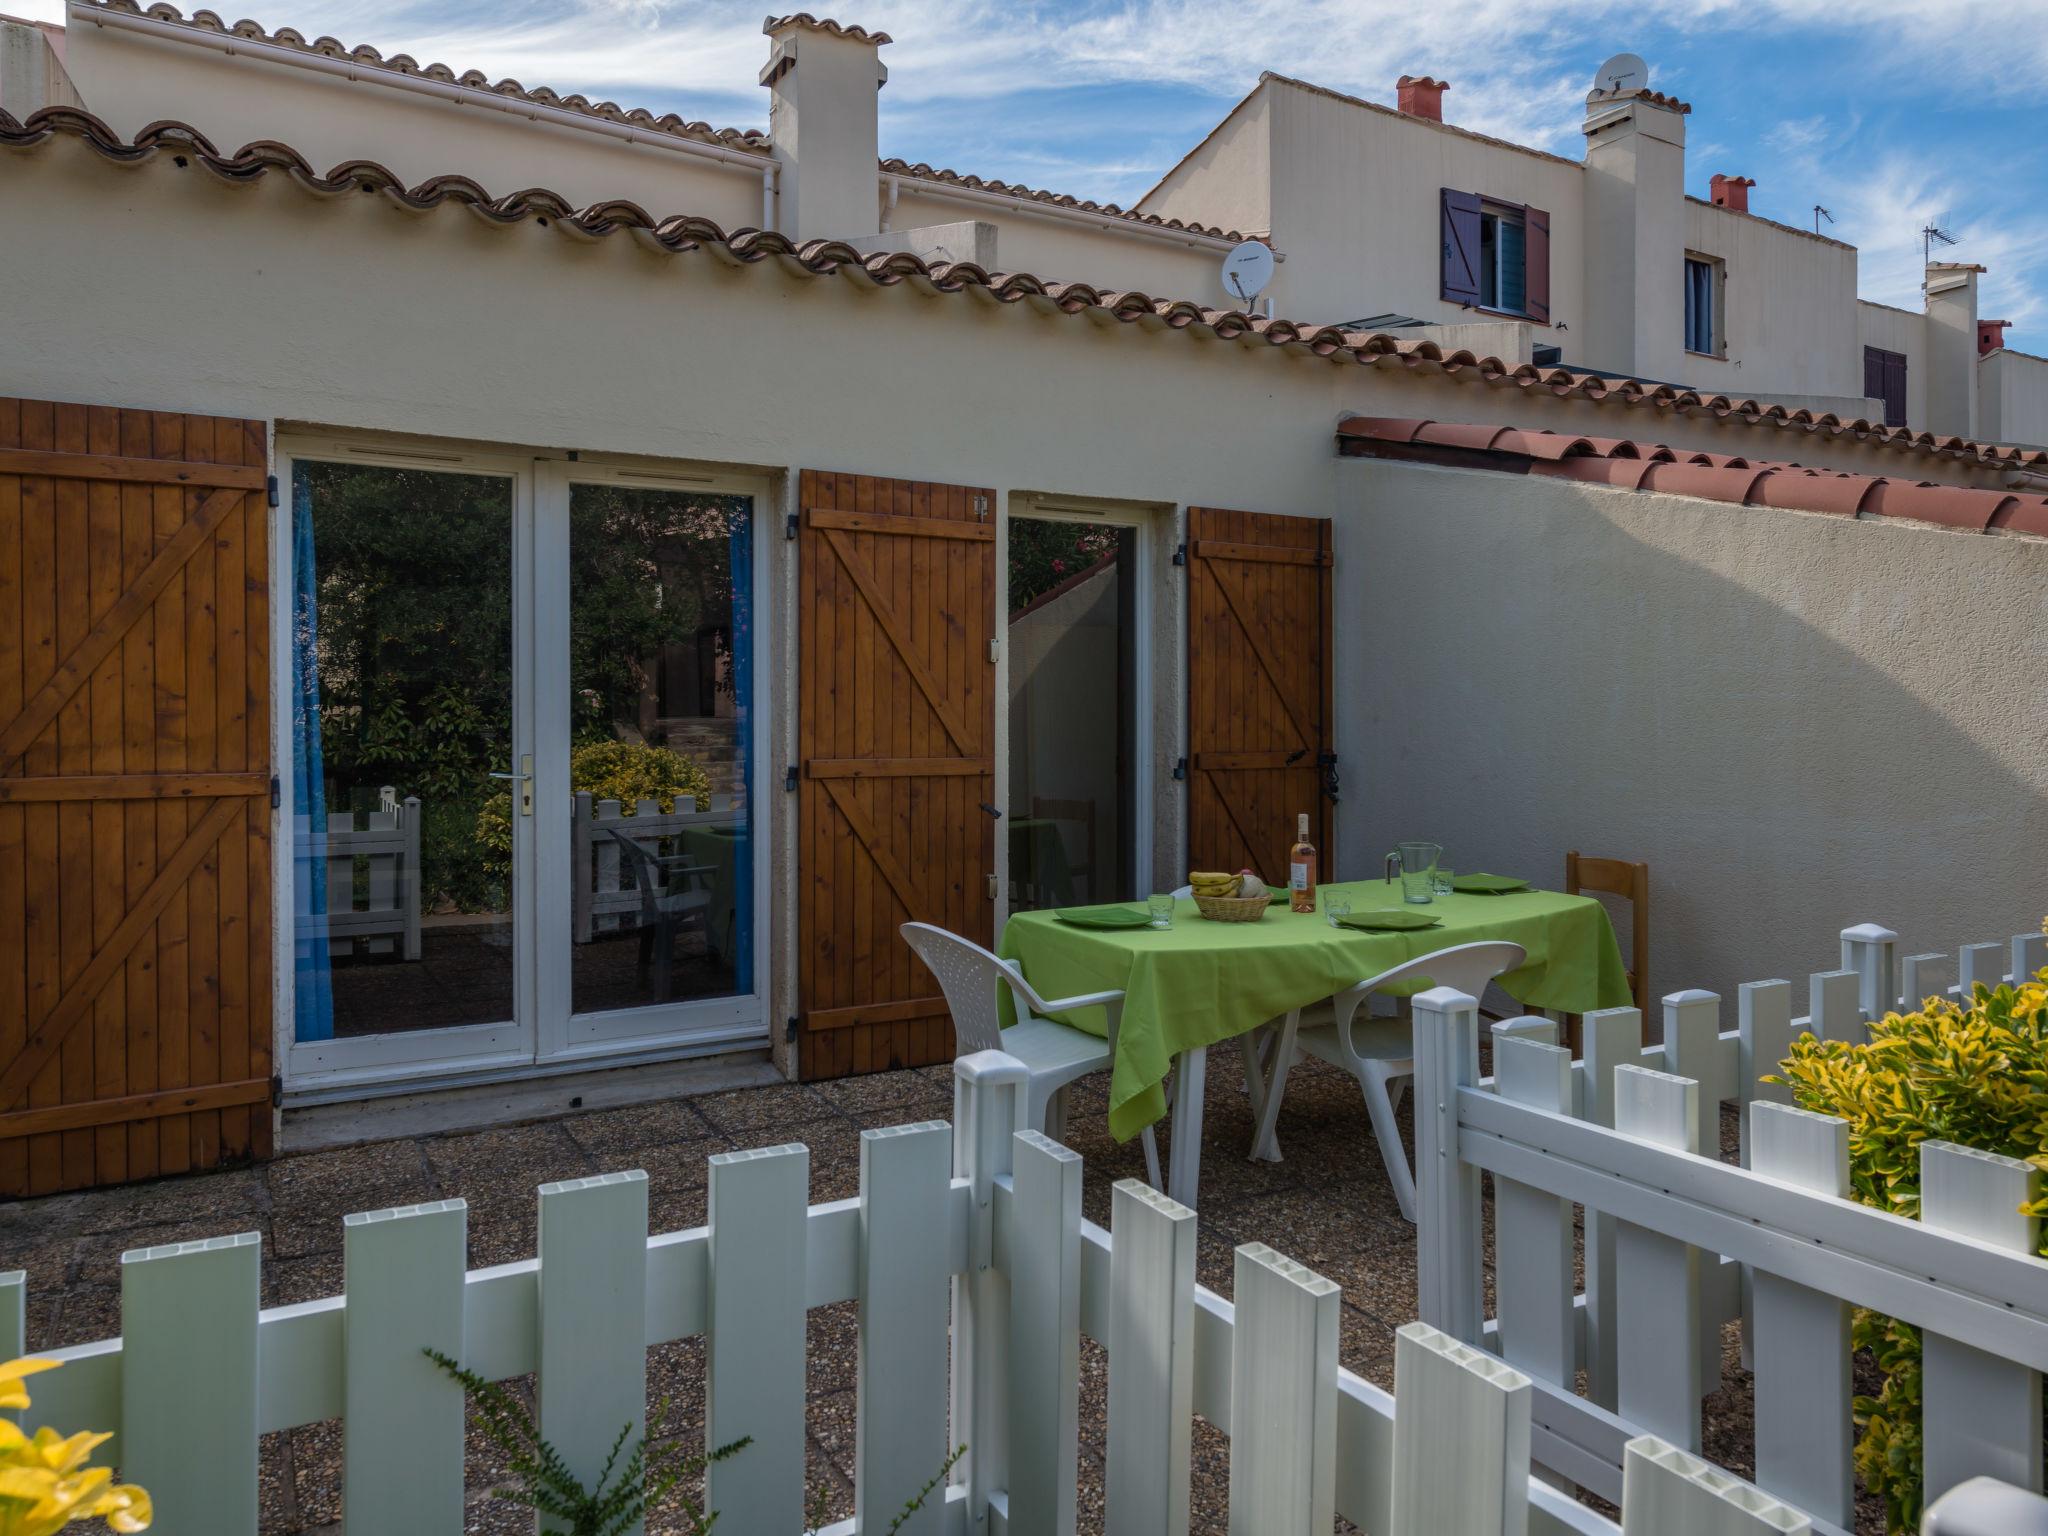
[
  {"x": 1145, "y": 521},
  {"x": 542, "y": 1036}
]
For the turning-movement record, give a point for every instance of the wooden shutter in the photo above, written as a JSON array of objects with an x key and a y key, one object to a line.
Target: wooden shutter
[
  {"x": 1460, "y": 247},
  {"x": 1258, "y": 688},
  {"x": 134, "y": 817},
  {"x": 1884, "y": 378},
  {"x": 1536, "y": 260},
  {"x": 896, "y": 730}
]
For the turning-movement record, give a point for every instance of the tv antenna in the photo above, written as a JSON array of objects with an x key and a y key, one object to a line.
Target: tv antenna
[
  {"x": 1930, "y": 235},
  {"x": 1623, "y": 72},
  {"x": 1820, "y": 213}
]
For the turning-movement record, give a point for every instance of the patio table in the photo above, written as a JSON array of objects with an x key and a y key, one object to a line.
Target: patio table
[{"x": 1198, "y": 983}]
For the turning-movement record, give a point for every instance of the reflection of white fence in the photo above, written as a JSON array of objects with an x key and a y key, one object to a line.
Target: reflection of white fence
[
  {"x": 607, "y": 897},
  {"x": 372, "y": 872},
  {"x": 985, "y": 1214},
  {"x": 1677, "y": 1242}
]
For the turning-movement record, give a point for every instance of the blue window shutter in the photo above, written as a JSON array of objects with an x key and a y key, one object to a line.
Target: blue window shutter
[
  {"x": 1514, "y": 266},
  {"x": 1536, "y": 299},
  {"x": 1460, "y": 247}
]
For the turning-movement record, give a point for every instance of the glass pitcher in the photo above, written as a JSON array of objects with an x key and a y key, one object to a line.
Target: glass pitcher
[{"x": 1414, "y": 861}]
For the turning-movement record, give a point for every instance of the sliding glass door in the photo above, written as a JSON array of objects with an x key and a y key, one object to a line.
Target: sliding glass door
[{"x": 520, "y": 701}]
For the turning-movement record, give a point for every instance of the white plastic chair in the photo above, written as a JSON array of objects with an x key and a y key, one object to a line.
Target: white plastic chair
[
  {"x": 1054, "y": 1054},
  {"x": 1375, "y": 1051}
]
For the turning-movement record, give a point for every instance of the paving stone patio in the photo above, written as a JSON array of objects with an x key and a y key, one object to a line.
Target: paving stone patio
[{"x": 1327, "y": 1205}]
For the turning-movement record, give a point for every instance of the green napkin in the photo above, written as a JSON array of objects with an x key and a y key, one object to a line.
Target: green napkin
[
  {"x": 1104, "y": 917},
  {"x": 1389, "y": 919},
  {"x": 1487, "y": 885}
]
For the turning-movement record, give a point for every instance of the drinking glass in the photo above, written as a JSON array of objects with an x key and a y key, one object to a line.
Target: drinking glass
[
  {"x": 1441, "y": 878},
  {"x": 1160, "y": 906},
  {"x": 1335, "y": 909}
]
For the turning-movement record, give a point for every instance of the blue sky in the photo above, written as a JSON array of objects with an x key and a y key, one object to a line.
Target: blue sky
[{"x": 1890, "y": 113}]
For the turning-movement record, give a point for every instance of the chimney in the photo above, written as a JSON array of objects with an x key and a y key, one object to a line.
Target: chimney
[
  {"x": 1732, "y": 192},
  {"x": 1634, "y": 319},
  {"x": 1990, "y": 335},
  {"x": 1953, "y": 339},
  {"x": 32, "y": 68},
  {"x": 823, "y": 77},
  {"x": 1421, "y": 96}
]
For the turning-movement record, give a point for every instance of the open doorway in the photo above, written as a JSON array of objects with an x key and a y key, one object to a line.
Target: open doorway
[{"x": 1074, "y": 643}]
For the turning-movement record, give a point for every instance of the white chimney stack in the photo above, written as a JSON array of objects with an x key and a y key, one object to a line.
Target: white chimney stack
[
  {"x": 824, "y": 77},
  {"x": 1635, "y": 233}
]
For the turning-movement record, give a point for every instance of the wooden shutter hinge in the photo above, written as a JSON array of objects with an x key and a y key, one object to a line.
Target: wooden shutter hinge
[
  {"x": 981, "y": 509},
  {"x": 277, "y": 1090},
  {"x": 789, "y": 526},
  {"x": 276, "y": 792},
  {"x": 1180, "y": 768},
  {"x": 789, "y": 1030},
  {"x": 789, "y": 779},
  {"x": 1180, "y": 553},
  {"x": 270, "y": 489}
]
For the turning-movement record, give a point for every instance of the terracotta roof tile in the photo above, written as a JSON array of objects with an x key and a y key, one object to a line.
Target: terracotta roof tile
[
  {"x": 825, "y": 24},
  {"x": 404, "y": 64},
  {"x": 1710, "y": 476},
  {"x": 822, "y": 258},
  {"x": 1657, "y": 98},
  {"x": 945, "y": 178}
]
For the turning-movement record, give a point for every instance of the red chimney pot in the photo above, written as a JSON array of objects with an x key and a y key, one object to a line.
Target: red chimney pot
[
  {"x": 1990, "y": 335},
  {"x": 1732, "y": 192},
  {"x": 1421, "y": 96}
]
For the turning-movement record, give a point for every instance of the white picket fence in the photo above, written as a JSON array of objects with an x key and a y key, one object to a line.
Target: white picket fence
[
  {"x": 386, "y": 914},
  {"x": 1678, "y": 1242},
  {"x": 983, "y": 1210}
]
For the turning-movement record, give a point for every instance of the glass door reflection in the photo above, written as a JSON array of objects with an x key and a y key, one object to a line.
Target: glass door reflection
[{"x": 660, "y": 680}]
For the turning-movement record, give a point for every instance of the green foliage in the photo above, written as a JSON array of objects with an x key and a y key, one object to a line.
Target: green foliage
[
  {"x": 650, "y": 1474},
  {"x": 1975, "y": 1075},
  {"x": 624, "y": 1492},
  {"x": 1044, "y": 554},
  {"x": 625, "y": 771}
]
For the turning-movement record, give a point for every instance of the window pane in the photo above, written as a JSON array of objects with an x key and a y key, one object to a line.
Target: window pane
[
  {"x": 660, "y": 674},
  {"x": 401, "y": 710},
  {"x": 1514, "y": 276}
]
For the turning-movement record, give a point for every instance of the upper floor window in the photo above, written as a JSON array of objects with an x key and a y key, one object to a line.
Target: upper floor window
[
  {"x": 1496, "y": 256},
  {"x": 1702, "y": 305}
]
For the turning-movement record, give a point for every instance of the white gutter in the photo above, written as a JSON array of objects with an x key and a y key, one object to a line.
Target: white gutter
[
  {"x": 462, "y": 95},
  {"x": 1028, "y": 205}
]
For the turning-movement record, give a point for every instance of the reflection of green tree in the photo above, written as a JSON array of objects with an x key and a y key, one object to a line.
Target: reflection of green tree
[
  {"x": 415, "y": 611},
  {"x": 1044, "y": 554}
]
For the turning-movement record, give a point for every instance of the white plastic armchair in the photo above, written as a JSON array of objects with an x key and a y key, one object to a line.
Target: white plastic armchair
[
  {"x": 1054, "y": 1054},
  {"x": 1376, "y": 1052}
]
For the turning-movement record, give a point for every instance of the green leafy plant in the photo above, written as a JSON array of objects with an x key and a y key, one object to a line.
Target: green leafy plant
[
  {"x": 1974, "y": 1073},
  {"x": 626, "y": 1491},
  {"x": 625, "y": 771},
  {"x": 1044, "y": 554}
]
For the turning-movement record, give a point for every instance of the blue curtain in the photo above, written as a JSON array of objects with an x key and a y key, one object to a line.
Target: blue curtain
[
  {"x": 312, "y": 981},
  {"x": 740, "y": 543}
]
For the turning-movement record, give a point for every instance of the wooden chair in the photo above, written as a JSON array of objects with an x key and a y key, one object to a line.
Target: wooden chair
[{"x": 1617, "y": 877}]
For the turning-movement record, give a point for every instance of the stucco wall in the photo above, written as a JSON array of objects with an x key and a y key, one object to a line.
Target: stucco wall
[
  {"x": 2012, "y": 398},
  {"x": 1064, "y": 249},
  {"x": 130, "y": 80},
  {"x": 1356, "y": 196},
  {"x": 1789, "y": 313},
  {"x": 1226, "y": 180},
  {"x": 1897, "y": 330},
  {"x": 1799, "y": 721}
]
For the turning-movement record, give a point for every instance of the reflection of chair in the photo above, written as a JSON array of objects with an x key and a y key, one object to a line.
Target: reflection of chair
[
  {"x": 1083, "y": 812},
  {"x": 1053, "y": 1053},
  {"x": 675, "y": 896},
  {"x": 1375, "y": 1051}
]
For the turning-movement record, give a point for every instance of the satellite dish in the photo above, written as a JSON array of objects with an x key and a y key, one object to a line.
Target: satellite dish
[
  {"x": 1247, "y": 270},
  {"x": 1623, "y": 72}
]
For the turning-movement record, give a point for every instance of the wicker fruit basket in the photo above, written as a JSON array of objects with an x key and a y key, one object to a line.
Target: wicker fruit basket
[{"x": 1233, "y": 909}]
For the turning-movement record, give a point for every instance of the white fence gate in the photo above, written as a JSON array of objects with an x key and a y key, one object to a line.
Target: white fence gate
[
  {"x": 384, "y": 913},
  {"x": 983, "y": 1209},
  {"x": 1678, "y": 1242}
]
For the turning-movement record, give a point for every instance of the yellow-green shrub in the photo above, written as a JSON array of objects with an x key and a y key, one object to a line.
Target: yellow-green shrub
[
  {"x": 1975, "y": 1074},
  {"x": 625, "y": 771}
]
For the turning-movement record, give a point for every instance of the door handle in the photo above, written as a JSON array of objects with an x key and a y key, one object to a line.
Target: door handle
[{"x": 524, "y": 779}]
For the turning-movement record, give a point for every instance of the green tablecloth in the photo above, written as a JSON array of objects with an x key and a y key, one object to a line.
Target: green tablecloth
[{"x": 1200, "y": 982}]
